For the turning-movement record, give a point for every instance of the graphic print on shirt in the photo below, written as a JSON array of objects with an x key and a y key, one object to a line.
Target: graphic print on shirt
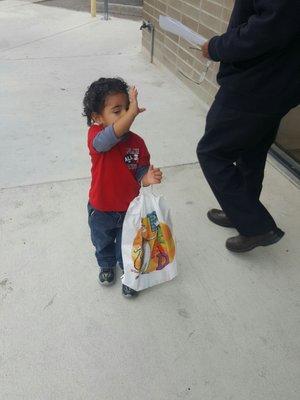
[{"x": 132, "y": 157}]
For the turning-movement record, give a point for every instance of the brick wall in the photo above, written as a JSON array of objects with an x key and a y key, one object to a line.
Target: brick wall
[{"x": 207, "y": 17}]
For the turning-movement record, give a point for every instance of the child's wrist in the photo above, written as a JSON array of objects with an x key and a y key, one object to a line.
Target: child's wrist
[
  {"x": 133, "y": 110},
  {"x": 144, "y": 181}
]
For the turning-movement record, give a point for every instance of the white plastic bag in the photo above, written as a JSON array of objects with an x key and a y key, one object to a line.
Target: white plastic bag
[{"x": 148, "y": 244}]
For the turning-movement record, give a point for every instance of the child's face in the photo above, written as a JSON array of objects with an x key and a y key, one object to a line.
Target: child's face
[{"x": 116, "y": 106}]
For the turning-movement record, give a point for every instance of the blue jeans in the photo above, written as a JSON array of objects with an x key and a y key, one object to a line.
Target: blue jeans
[{"x": 106, "y": 235}]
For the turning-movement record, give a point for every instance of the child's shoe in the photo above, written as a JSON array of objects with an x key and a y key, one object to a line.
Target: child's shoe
[
  {"x": 128, "y": 292},
  {"x": 107, "y": 277}
]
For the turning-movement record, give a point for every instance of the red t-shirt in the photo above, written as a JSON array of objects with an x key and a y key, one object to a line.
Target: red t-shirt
[{"x": 114, "y": 184}]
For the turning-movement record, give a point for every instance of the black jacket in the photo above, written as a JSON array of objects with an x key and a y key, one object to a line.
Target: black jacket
[{"x": 260, "y": 56}]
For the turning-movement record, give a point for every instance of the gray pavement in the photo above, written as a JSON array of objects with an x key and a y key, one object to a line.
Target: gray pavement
[{"x": 227, "y": 328}]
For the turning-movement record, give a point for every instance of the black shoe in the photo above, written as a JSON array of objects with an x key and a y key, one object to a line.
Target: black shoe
[
  {"x": 107, "y": 277},
  {"x": 128, "y": 292},
  {"x": 241, "y": 244},
  {"x": 218, "y": 217}
]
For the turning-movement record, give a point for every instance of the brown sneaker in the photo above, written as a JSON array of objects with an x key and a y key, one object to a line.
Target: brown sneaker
[
  {"x": 218, "y": 217},
  {"x": 241, "y": 244}
]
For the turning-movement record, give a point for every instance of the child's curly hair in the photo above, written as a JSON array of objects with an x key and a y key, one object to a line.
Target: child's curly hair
[{"x": 97, "y": 92}]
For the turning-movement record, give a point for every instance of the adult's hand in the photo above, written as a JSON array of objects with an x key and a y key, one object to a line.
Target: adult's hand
[{"x": 205, "y": 52}]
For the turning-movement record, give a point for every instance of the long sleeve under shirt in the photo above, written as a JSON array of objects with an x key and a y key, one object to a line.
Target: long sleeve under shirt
[
  {"x": 118, "y": 165},
  {"x": 260, "y": 56}
]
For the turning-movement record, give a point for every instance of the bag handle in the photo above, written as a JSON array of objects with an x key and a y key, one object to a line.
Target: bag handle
[{"x": 144, "y": 189}]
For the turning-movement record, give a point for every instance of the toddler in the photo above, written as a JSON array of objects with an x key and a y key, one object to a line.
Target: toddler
[{"x": 120, "y": 165}]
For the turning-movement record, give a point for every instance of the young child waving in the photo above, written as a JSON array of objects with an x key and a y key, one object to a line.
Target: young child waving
[{"x": 120, "y": 164}]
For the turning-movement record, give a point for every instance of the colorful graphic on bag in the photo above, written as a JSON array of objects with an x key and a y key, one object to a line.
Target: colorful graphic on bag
[{"x": 154, "y": 237}]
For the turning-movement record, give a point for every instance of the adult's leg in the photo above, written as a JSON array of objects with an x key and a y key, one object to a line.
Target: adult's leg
[
  {"x": 251, "y": 163},
  {"x": 228, "y": 135}
]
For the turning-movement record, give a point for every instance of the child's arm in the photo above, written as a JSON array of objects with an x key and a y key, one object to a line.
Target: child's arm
[
  {"x": 111, "y": 135},
  {"x": 105, "y": 139},
  {"x": 123, "y": 124},
  {"x": 141, "y": 171},
  {"x": 152, "y": 177}
]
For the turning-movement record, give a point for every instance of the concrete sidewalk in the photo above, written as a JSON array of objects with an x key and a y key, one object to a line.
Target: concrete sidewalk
[{"x": 227, "y": 328}]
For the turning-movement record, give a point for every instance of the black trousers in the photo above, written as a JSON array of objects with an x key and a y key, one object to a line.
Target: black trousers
[{"x": 232, "y": 154}]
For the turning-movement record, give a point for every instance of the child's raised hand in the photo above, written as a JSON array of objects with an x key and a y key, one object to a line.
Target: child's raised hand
[
  {"x": 152, "y": 177},
  {"x": 133, "y": 106}
]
